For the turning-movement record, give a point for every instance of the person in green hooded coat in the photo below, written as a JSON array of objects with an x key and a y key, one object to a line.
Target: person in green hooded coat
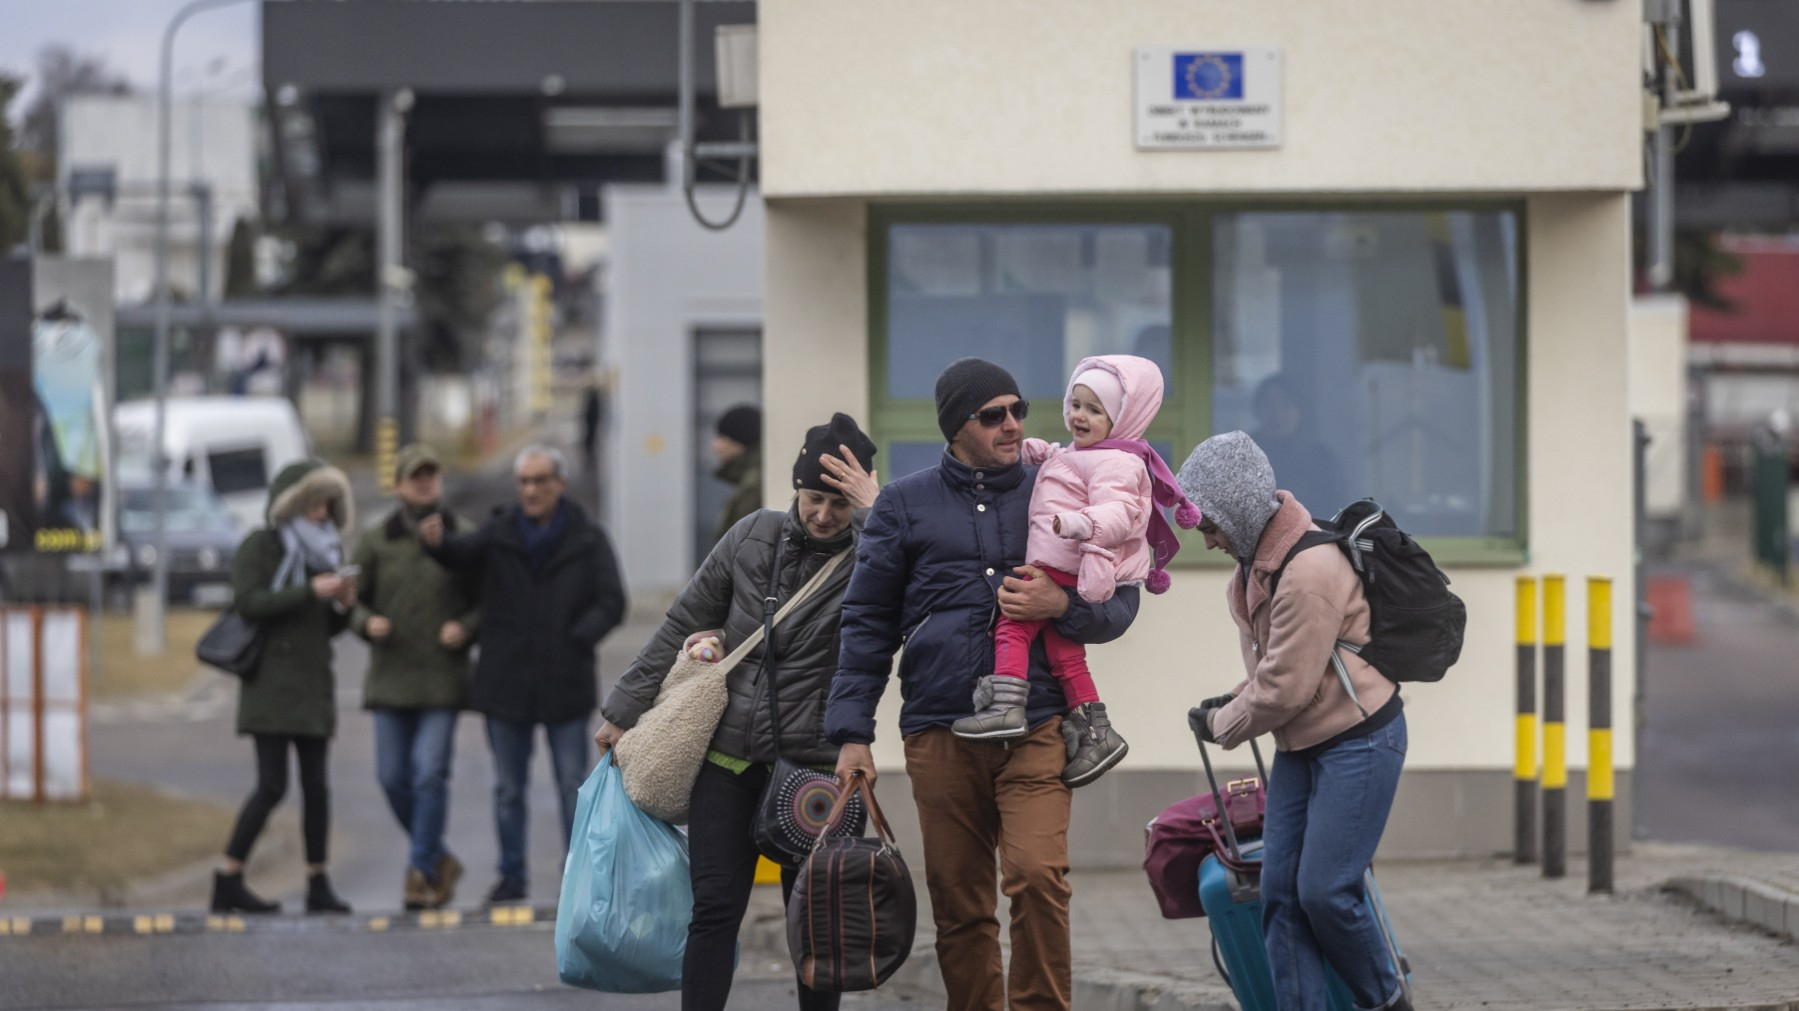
[{"x": 289, "y": 579}]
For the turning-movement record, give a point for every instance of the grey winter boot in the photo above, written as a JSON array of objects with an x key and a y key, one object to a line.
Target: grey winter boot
[
  {"x": 999, "y": 710},
  {"x": 1093, "y": 746}
]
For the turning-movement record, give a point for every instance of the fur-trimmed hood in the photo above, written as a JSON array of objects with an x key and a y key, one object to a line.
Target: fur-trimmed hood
[{"x": 300, "y": 484}]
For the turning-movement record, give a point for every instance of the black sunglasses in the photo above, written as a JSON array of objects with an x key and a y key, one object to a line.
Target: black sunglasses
[{"x": 993, "y": 417}]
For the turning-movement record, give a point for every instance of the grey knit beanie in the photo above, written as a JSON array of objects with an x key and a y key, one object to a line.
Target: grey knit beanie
[{"x": 1229, "y": 478}]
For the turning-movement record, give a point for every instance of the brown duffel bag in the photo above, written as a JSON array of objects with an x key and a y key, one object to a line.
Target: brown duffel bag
[{"x": 853, "y": 915}]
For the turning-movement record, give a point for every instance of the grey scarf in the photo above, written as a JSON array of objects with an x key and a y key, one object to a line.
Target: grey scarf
[{"x": 310, "y": 547}]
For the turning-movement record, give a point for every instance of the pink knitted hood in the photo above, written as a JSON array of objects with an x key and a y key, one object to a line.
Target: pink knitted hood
[{"x": 1141, "y": 381}]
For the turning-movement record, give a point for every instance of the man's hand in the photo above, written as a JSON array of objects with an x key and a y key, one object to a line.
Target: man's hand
[
  {"x": 605, "y": 737},
  {"x": 1031, "y": 596},
  {"x": 453, "y": 635},
  {"x": 431, "y": 530},
  {"x": 853, "y": 759},
  {"x": 845, "y": 474},
  {"x": 327, "y": 586},
  {"x": 378, "y": 628}
]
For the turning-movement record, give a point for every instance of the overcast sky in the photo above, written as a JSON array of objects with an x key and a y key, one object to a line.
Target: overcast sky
[{"x": 217, "y": 50}]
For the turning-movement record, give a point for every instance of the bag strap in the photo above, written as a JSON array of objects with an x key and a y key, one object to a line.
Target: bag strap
[
  {"x": 859, "y": 785},
  {"x": 1312, "y": 539},
  {"x": 770, "y": 617},
  {"x": 736, "y": 656}
]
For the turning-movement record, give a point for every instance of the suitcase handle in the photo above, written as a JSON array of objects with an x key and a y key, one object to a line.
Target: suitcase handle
[{"x": 1205, "y": 756}]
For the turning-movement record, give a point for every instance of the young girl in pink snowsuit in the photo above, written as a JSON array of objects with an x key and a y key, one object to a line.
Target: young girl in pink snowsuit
[{"x": 1096, "y": 525}]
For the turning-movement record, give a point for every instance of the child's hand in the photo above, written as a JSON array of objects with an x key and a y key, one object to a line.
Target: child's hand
[{"x": 707, "y": 650}]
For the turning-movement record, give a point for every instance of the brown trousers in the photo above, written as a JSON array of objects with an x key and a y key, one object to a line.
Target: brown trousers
[{"x": 974, "y": 797}]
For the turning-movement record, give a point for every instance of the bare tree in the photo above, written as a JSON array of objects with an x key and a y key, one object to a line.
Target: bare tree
[{"x": 63, "y": 73}]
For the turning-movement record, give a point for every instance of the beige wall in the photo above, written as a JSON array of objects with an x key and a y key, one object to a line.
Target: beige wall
[
  {"x": 1183, "y": 646},
  {"x": 947, "y": 97}
]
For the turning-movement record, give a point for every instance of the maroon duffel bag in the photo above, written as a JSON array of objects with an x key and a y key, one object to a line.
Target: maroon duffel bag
[
  {"x": 1187, "y": 832},
  {"x": 853, "y": 914}
]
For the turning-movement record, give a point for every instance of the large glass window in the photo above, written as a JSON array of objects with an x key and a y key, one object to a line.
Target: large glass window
[
  {"x": 1374, "y": 354},
  {"x": 1371, "y": 353},
  {"x": 1037, "y": 298}
]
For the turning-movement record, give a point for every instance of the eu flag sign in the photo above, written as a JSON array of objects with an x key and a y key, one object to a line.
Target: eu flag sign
[{"x": 1208, "y": 76}]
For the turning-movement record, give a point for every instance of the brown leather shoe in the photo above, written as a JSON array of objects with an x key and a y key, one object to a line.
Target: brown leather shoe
[
  {"x": 418, "y": 894},
  {"x": 449, "y": 871}
]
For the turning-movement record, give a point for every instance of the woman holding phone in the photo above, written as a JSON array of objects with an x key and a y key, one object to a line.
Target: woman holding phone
[{"x": 291, "y": 581}]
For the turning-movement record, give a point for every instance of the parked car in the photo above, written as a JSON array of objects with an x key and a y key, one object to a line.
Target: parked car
[
  {"x": 202, "y": 537},
  {"x": 232, "y": 446}
]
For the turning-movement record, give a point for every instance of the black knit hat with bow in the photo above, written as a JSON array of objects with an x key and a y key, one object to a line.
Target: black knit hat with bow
[{"x": 809, "y": 468}]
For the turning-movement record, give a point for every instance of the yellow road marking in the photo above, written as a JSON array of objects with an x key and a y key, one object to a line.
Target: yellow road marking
[{"x": 378, "y": 923}]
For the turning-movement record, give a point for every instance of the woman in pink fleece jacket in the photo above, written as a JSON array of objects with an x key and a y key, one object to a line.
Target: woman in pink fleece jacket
[{"x": 1095, "y": 525}]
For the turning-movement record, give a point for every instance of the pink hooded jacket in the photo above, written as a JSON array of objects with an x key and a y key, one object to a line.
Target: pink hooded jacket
[{"x": 1104, "y": 497}]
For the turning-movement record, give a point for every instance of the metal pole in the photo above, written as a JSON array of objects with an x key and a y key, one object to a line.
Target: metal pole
[
  {"x": 1555, "y": 743},
  {"x": 390, "y": 137},
  {"x": 684, "y": 77},
  {"x": 1659, "y": 206},
  {"x": 151, "y": 635},
  {"x": 1601, "y": 785},
  {"x": 1640, "y": 690},
  {"x": 1524, "y": 773}
]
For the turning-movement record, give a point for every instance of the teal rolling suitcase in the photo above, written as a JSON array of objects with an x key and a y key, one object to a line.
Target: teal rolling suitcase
[{"x": 1232, "y": 898}]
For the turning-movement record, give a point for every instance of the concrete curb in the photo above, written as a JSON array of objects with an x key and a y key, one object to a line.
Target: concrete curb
[{"x": 1742, "y": 900}]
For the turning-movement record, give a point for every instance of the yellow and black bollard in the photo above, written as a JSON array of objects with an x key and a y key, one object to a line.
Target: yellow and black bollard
[
  {"x": 1555, "y": 743},
  {"x": 1600, "y": 779},
  {"x": 1524, "y": 772},
  {"x": 387, "y": 452}
]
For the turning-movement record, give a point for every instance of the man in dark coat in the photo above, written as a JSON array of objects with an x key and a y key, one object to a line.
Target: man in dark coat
[
  {"x": 550, "y": 591},
  {"x": 941, "y": 557}
]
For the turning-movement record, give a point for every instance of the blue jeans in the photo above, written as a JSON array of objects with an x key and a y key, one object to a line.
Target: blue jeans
[
  {"x": 412, "y": 761},
  {"x": 511, "y": 743},
  {"x": 1325, "y": 818}
]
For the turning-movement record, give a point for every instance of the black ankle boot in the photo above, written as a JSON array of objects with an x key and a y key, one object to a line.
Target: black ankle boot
[
  {"x": 231, "y": 895},
  {"x": 320, "y": 898}
]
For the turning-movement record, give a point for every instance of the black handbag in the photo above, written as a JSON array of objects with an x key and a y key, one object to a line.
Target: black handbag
[
  {"x": 854, "y": 914},
  {"x": 796, "y": 804},
  {"x": 233, "y": 645}
]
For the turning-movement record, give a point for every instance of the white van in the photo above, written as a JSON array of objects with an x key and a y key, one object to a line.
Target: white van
[{"x": 233, "y": 445}]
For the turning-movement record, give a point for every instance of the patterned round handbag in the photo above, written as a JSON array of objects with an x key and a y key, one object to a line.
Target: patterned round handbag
[{"x": 796, "y": 804}]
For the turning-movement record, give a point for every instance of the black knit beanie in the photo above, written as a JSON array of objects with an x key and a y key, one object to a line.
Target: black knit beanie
[
  {"x": 809, "y": 470},
  {"x": 964, "y": 387},
  {"x": 742, "y": 424}
]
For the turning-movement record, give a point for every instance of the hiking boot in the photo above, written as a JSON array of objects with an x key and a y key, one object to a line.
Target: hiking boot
[
  {"x": 449, "y": 872},
  {"x": 419, "y": 893},
  {"x": 1093, "y": 746},
  {"x": 231, "y": 895},
  {"x": 505, "y": 892},
  {"x": 320, "y": 898},
  {"x": 999, "y": 710}
]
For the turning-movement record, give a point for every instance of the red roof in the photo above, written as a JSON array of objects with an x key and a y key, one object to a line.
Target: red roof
[{"x": 1766, "y": 295}]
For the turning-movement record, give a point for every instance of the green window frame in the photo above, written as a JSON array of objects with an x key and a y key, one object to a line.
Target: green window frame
[{"x": 1186, "y": 416}]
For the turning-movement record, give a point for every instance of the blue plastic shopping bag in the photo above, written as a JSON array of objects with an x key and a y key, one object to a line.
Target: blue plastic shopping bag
[{"x": 626, "y": 896}]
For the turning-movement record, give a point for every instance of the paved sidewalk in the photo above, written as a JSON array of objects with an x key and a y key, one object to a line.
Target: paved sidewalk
[{"x": 1479, "y": 933}]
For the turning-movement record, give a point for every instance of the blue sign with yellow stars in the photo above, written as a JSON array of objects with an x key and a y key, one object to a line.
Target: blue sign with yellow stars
[{"x": 1208, "y": 76}]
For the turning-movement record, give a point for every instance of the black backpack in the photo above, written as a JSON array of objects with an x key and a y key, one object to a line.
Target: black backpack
[{"x": 1414, "y": 623}]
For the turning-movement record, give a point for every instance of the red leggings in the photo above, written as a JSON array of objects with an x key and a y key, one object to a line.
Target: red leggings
[{"x": 1067, "y": 658}]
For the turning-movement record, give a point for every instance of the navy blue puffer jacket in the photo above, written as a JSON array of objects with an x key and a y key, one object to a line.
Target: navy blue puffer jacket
[{"x": 928, "y": 570}]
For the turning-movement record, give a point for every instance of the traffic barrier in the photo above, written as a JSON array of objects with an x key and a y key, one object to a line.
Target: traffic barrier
[
  {"x": 43, "y": 703},
  {"x": 1524, "y": 770},
  {"x": 1601, "y": 784},
  {"x": 1555, "y": 751}
]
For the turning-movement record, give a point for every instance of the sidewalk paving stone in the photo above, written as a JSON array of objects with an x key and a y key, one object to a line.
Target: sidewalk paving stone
[{"x": 1479, "y": 934}]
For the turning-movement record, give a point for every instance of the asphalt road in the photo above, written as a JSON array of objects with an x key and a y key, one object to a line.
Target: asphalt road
[
  {"x": 1719, "y": 758},
  {"x": 483, "y": 969}
]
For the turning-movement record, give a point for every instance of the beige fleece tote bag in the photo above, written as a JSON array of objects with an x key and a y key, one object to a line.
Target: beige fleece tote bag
[{"x": 660, "y": 757}]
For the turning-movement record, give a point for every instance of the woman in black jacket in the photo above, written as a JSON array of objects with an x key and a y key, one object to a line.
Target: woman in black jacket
[{"x": 766, "y": 554}]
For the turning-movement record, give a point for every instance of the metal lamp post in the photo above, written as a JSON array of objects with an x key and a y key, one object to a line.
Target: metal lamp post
[{"x": 152, "y": 637}]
